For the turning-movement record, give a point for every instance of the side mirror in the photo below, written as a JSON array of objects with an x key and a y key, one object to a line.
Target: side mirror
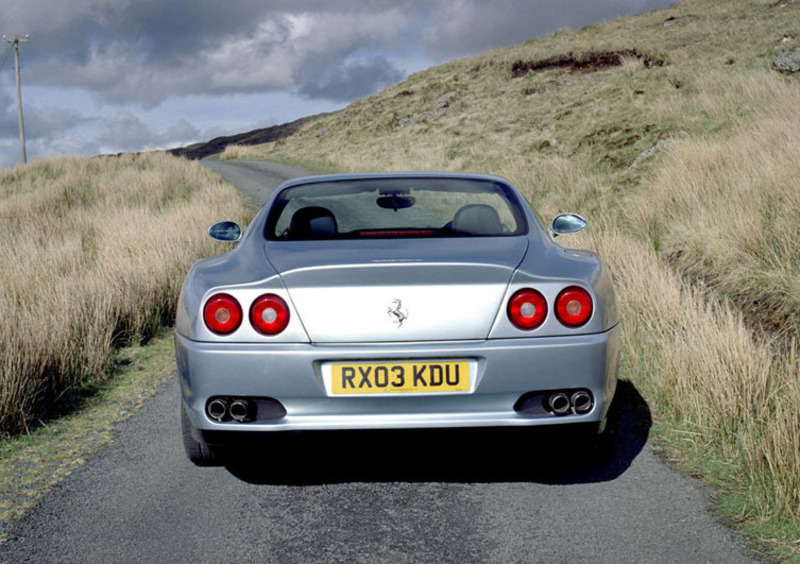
[
  {"x": 568, "y": 223},
  {"x": 227, "y": 231}
]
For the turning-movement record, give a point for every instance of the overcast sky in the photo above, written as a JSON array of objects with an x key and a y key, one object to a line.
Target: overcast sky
[{"x": 105, "y": 76}]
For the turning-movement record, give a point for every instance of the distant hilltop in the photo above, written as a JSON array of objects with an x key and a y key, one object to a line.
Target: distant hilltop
[{"x": 217, "y": 145}]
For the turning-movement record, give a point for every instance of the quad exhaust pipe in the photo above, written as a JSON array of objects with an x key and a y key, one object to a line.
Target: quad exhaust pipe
[
  {"x": 241, "y": 410},
  {"x": 579, "y": 402}
]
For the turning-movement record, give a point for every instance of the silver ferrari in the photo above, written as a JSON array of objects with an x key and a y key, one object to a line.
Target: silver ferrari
[{"x": 391, "y": 301}]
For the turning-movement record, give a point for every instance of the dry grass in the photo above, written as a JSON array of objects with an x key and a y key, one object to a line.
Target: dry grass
[
  {"x": 725, "y": 211},
  {"x": 725, "y": 400},
  {"x": 702, "y": 237},
  {"x": 94, "y": 254}
]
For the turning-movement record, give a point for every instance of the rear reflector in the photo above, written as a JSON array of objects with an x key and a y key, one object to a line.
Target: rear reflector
[
  {"x": 527, "y": 309},
  {"x": 222, "y": 314}
]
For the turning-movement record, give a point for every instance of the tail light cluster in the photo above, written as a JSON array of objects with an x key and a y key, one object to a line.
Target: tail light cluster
[
  {"x": 222, "y": 314},
  {"x": 269, "y": 314},
  {"x": 527, "y": 308}
]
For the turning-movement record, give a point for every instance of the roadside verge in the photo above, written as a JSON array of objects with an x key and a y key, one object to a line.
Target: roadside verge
[{"x": 32, "y": 464}]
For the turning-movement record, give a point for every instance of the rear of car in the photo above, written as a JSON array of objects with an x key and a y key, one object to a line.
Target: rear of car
[{"x": 393, "y": 301}]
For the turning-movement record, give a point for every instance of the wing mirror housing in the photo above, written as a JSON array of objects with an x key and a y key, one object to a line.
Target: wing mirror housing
[
  {"x": 226, "y": 231},
  {"x": 568, "y": 223}
]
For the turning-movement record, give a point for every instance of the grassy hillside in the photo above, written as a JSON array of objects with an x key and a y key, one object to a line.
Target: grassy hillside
[{"x": 675, "y": 135}]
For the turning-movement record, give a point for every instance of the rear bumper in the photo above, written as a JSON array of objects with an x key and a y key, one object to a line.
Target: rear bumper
[{"x": 507, "y": 369}]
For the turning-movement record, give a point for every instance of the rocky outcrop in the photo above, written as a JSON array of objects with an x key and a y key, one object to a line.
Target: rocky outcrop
[
  {"x": 657, "y": 148},
  {"x": 440, "y": 105},
  {"x": 788, "y": 61},
  {"x": 583, "y": 62}
]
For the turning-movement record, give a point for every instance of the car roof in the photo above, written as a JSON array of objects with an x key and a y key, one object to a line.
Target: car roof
[{"x": 388, "y": 175}]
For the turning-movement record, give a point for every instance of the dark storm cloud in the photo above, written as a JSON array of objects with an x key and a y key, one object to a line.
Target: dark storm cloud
[
  {"x": 71, "y": 30},
  {"x": 145, "y": 51},
  {"x": 136, "y": 57}
]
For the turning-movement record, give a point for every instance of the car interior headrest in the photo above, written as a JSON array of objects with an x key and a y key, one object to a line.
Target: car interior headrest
[
  {"x": 311, "y": 222},
  {"x": 477, "y": 219}
]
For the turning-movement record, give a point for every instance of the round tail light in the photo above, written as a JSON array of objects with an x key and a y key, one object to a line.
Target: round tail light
[
  {"x": 222, "y": 314},
  {"x": 527, "y": 309},
  {"x": 269, "y": 314},
  {"x": 574, "y": 306}
]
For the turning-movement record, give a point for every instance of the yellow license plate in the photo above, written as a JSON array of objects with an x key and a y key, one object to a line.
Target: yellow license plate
[{"x": 400, "y": 377}]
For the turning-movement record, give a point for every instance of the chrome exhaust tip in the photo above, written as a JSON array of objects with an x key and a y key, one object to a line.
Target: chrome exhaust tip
[
  {"x": 241, "y": 410},
  {"x": 582, "y": 402},
  {"x": 217, "y": 409},
  {"x": 558, "y": 403}
]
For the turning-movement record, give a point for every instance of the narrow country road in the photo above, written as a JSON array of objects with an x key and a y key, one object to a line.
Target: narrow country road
[{"x": 422, "y": 496}]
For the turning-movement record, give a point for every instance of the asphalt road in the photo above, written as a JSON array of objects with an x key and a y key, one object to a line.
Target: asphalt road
[
  {"x": 257, "y": 179},
  {"x": 445, "y": 496}
]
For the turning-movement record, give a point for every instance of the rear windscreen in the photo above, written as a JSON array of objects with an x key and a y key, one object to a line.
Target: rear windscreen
[{"x": 395, "y": 207}]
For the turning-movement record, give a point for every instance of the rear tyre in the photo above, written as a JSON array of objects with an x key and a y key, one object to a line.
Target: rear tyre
[
  {"x": 200, "y": 454},
  {"x": 604, "y": 443}
]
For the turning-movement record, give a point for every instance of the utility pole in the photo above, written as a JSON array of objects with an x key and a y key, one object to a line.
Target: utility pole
[{"x": 15, "y": 43}]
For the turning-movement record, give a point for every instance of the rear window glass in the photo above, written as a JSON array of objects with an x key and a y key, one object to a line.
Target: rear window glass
[{"x": 395, "y": 207}]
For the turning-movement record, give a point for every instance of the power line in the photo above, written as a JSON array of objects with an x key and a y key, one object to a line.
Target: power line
[
  {"x": 5, "y": 61},
  {"x": 15, "y": 42}
]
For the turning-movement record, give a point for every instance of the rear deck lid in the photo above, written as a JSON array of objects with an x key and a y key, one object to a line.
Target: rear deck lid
[{"x": 394, "y": 290}]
